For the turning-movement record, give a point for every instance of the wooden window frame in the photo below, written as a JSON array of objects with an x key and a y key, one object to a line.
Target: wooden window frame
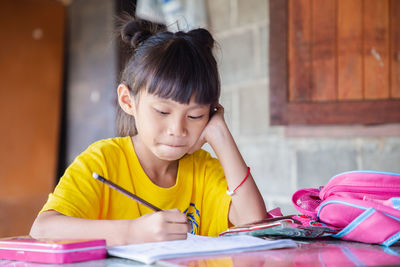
[{"x": 283, "y": 112}]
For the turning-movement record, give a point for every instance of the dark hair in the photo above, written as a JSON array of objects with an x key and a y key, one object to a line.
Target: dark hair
[{"x": 169, "y": 65}]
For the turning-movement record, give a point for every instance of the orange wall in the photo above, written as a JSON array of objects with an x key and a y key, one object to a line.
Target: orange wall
[{"x": 31, "y": 52}]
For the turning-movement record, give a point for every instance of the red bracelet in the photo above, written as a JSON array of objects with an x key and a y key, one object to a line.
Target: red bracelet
[{"x": 244, "y": 180}]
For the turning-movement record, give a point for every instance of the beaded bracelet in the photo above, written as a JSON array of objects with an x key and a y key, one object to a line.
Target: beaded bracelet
[{"x": 245, "y": 178}]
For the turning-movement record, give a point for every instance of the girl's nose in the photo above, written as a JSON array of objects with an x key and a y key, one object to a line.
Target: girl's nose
[{"x": 177, "y": 127}]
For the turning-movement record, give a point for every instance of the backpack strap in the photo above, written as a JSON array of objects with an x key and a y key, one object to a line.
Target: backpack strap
[
  {"x": 372, "y": 226},
  {"x": 307, "y": 201}
]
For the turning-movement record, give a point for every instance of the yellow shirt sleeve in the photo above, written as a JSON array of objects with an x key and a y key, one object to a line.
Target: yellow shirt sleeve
[{"x": 77, "y": 193}]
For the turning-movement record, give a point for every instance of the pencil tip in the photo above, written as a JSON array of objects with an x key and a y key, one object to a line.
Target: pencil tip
[{"x": 95, "y": 175}]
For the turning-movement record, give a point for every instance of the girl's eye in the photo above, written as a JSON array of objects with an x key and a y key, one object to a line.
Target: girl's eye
[
  {"x": 162, "y": 112},
  {"x": 196, "y": 117}
]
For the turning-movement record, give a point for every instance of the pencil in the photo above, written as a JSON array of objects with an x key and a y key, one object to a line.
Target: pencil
[{"x": 125, "y": 192}]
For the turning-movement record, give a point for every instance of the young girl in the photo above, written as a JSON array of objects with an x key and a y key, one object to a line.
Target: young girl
[{"x": 168, "y": 96}]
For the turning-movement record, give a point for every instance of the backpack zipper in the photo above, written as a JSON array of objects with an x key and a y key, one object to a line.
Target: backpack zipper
[
  {"x": 358, "y": 189},
  {"x": 367, "y": 171},
  {"x": 329, "y": 190}
]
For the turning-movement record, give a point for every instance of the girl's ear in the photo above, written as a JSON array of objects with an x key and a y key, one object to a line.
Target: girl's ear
[{"x": 125, "y": 100}]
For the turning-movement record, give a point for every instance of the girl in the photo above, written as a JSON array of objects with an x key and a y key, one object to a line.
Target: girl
[{"x": 168, "y": 99}]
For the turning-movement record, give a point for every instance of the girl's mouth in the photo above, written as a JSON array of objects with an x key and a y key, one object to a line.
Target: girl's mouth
[{"x": 174, "y": 145}]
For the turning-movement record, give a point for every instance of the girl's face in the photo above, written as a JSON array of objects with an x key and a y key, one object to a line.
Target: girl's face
[{"x": 167, "y": 128}]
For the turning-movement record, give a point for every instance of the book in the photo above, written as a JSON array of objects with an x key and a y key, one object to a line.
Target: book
[
  {"x": 54, "y": 251},
  {"x": 292, "y": 226},
  {"x": 195, "y": 245}
]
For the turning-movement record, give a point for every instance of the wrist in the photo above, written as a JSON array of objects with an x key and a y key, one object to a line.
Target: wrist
[
  {"x": 217, "y": 134},
  {"x": 231, "y": 192},
  {"x": 124, "y": 230}
]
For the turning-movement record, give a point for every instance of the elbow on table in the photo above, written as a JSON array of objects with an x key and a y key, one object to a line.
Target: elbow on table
[{"x": 39, "y": 226}]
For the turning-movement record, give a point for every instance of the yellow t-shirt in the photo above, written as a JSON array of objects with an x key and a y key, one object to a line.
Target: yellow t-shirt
[{"x": 199, "y": 192}]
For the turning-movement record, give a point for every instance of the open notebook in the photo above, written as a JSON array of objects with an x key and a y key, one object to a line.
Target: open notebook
[{"x": 195, "y": 245}]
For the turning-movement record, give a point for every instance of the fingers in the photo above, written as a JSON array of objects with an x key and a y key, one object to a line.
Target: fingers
[
  {"x": 171, "y": 237},
  {"x": 180, "y": 229},
  {"x": 176, "y": 225},
  {"x": 174, "y": 216},
  {"x": 157, "y": 226}
]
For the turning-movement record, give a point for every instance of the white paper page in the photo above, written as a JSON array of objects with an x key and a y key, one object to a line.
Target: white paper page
[{"x": 195, "y": 245}]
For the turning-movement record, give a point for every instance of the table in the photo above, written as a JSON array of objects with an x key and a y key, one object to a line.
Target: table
[
  {"x": 324, "y": 252},
  {"x": 329, "y": 252}
]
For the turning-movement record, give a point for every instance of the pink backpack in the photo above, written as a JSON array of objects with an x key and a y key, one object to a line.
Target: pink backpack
[{"x": 363, "y": 205}]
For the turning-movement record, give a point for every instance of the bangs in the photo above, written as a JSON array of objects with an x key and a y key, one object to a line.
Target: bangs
[{"x": 179, "y": 72}]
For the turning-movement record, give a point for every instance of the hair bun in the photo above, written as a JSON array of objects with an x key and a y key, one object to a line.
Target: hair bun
[
  {"x": 202, "y": 36},
  {"x": 135, "y": 32}
]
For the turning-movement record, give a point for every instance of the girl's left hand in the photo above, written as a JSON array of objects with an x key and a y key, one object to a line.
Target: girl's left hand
[{"x": 214, "y": 126}]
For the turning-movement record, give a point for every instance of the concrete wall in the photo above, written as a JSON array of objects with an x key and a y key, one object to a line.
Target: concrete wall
[
  {"x": 284, "y": 159},
  {"x": 91, "y": 74}
]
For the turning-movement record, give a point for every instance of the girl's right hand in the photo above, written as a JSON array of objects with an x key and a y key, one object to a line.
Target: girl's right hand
[
  {"x": 215, "y": 125},
  {"x": 157, "y": 226}
]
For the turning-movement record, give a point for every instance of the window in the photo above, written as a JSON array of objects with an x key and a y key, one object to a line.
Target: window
[{"x": 334, "y": 62}]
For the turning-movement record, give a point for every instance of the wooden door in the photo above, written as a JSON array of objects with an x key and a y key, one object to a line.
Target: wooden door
[{"x": 31, "y": 69}]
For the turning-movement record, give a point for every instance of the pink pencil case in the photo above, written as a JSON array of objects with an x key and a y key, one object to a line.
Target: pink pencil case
[{"x": 56, "y": 251}]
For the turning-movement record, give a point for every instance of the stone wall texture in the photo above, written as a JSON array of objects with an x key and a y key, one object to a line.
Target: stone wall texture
[{"x": 91, "y": 74}]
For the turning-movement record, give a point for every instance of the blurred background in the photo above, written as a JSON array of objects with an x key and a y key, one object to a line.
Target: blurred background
[{"x": 311, "y": 88}]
